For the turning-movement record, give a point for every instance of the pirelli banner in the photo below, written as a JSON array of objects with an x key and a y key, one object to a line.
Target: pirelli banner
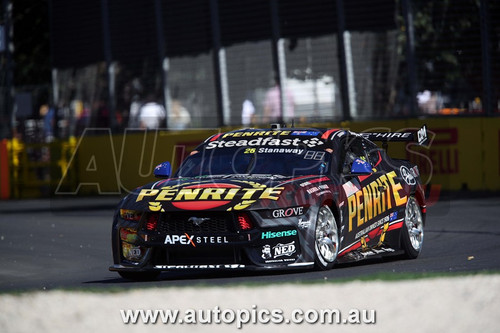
[{"x": 464, "y": 154}]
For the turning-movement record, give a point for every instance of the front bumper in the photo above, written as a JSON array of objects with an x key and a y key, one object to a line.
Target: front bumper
[
  {"x": 272, "y": 243},
  {"x": 210, "y": 267}
]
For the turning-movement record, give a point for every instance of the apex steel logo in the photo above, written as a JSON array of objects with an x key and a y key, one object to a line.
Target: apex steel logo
[
  {"x": 193, "y": 240},
  {"x": 278, "y": 234},
  {"x": 179, "y": 239}
]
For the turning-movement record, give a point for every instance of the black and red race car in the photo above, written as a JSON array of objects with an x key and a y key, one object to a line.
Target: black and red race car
[{"x": 273, "y": 198}]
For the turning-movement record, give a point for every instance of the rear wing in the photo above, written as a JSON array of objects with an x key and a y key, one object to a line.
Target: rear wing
[{"x": 420, "y": 136}]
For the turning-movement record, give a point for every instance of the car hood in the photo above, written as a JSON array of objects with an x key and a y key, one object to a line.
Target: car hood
[{"x": 219, "y": 193}]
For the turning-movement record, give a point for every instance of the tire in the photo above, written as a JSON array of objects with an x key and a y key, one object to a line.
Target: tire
[
  {"x": 326, "y": 239},
  {"x": 140, "y": 276},
  {"x": 412, "y": 233}
]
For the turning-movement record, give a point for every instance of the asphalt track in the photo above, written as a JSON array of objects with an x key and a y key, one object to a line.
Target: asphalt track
[{"x": 47, "y": 244}]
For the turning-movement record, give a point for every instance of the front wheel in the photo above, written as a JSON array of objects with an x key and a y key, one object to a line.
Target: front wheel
[
  {"x": 412, "y": 234},
  {"x": 326, "y": 239}
]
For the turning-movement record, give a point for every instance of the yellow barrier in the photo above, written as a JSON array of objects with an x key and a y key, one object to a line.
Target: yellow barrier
[
  {"x": 491, "y": 153},
  {"x": 113, "y": 164},
  {"x": 35, "y": 169},
  {"x": 4, "y": 170},
  {"x": 464, "y": 154}
]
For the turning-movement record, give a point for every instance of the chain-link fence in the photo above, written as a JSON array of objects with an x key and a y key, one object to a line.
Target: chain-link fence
[{"x": 213, "y": 63}]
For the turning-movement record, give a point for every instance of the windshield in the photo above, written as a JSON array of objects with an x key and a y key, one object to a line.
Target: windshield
[{"x": 259, "y": 160}]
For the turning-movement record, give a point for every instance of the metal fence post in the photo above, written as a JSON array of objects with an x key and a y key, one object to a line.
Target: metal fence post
[
  {"x": 220, "y": 68},
  {"x": 278, "y": 51},
  {"x": 164, "y": 61},
  {"x": 7, "y": 116},
  {"x": 486, "y": 57},
  {"x": 109, "y": 63},
  {"x": 344, "y": 84},
  {"x": 410, "y": 54}
]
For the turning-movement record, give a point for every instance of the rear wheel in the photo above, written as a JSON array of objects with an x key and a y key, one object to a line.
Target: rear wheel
[
  {"x": 140, "y": 276},
  {"x": 412, "y": 235},
  {"x": 326, "y": 241}
]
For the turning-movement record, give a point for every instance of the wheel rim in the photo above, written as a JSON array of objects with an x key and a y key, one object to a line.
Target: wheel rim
[
  {"x": 414, "y": 224},
  {"x": 327, "y": 235}
]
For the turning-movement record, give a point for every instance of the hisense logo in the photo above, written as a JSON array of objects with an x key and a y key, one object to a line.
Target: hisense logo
[{"x": 276, "y": 234}]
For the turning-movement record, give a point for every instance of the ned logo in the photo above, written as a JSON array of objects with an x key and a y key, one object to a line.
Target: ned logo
[{"x": 281, "y": 250}]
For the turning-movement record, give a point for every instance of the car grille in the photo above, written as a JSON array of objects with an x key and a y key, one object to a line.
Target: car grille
[{"x": 208, "y": 222}]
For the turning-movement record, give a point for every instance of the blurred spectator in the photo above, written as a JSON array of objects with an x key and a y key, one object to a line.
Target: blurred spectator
[
  {"x": 48, "y": 115},
  {"x": 272, "y": 105},
  {"x": 135, "y": 105},
  {"x": 247, "y": 112},
  {"x": 179, "y": 117},
  {"x": 82, "y": 118},
  {"x": 133, "y": 116},
  {"x": 427, "y": 102},
  {"x": 151, "y": 114},
  {"x": 102, "y": 114}
]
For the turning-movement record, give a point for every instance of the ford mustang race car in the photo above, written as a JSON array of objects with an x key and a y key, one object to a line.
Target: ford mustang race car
[{"x": 273, "y": 198}]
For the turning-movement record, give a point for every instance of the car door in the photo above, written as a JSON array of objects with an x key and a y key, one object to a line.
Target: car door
[{"x": 366, "y": 195}]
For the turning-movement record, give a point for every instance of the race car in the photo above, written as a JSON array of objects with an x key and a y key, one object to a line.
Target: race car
[{"x": 276, "y": 198}]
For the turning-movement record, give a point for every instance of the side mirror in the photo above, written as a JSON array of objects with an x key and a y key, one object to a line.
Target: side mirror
[
  {"x": 163, "y": 170},
  {"x": 361, "y": 167}
]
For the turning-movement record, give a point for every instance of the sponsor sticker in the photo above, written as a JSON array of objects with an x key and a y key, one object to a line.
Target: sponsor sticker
[
  {"x": 393, "y": 216},
  {"x": 288, "y": 212},
  {"x": 195, "y": 240},
  {"x": 374, "y": 199},
  {"x": 217, "y": 266},
  {"x": 304, "y": 224},
  {"x": 407, "y": 175},
  {"x": 308, "y": 133},
  {"x": 296, "y": 151},
  {"x": 281, "y": 252},
  {"x": 266, "y": 252},
  {"x": 320, "y": 188},
  {"x": 255, "y": 133},
  {"x": 278, "y": 234},
  {"x": 314, "y": 155},
  {"x": 266, "y": 141},
  {"x": 131, "y": 252},
  {"x": 422, "y": 135},
  {"x": 204, "y": 196}
]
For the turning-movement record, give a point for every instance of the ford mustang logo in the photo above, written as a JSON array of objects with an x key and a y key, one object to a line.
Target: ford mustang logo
[{"x": 197, "y": 221}]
